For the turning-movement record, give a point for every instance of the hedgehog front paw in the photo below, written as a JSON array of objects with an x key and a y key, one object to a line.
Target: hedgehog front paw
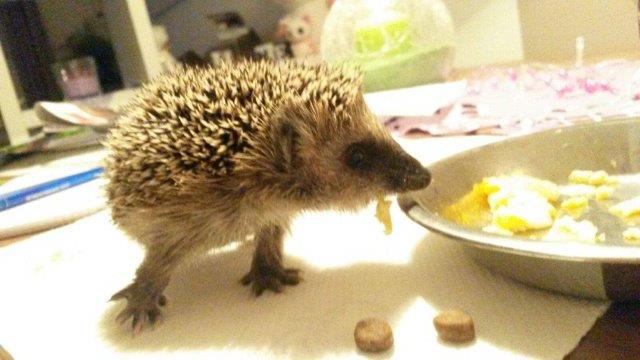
[
  {"x": 273, "y": 278},
  {"x": 142, "y": 306}
]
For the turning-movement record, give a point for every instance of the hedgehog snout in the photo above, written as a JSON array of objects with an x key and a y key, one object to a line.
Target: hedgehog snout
[
  {"x": 407, "y": 174},
  {"x": 417, "y": 179}
]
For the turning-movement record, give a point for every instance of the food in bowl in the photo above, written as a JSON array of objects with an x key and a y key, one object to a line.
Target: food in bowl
[
  {"x": 632, "y": 235},
  {"x": 537, "y": 208},
  {"x": 595, "y": 178},
  {"x": 567, "y": 228},
  {"x": 627, "y": 208}
]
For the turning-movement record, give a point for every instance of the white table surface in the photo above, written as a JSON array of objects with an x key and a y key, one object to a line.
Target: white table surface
[{"x": 54, "y": 288}]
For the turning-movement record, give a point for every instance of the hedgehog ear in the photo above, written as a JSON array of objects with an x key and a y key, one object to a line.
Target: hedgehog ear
[
  {"x": 286, "y": 138},
  {"x": 288, "y": 144}
]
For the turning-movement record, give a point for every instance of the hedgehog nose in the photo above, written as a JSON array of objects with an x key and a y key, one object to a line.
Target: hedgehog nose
[
  {"x": 417, "y": 179},
  {"x": 410, "y": 175},
  {"x": 404, "y": 172}
]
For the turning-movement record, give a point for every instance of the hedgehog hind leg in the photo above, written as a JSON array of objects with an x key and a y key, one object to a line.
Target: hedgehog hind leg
[
  {"x": 267, "y": 269},
  {"x": 144, "y": 295}
]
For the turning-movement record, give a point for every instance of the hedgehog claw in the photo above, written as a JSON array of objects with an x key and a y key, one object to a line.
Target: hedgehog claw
[
  {"x": 142, "y": 308},
  {"x": 272, "y": 279}
]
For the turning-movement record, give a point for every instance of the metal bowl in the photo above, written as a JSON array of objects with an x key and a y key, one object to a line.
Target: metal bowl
[{"x": 608, "y": 271}]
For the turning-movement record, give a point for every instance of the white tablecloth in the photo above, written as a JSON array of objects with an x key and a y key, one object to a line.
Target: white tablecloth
[{"x": 54, "y": 289}]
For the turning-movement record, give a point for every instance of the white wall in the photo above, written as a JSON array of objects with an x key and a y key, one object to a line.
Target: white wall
[
  {"x": 550, "y": 27},
  {"x": 133, "y": 40},
  {"x": 189, "y": 29},
  {"x": 480, "y": 24},
  {"x": 487, "y": 32},
  {"x": 510, "y": 31}
]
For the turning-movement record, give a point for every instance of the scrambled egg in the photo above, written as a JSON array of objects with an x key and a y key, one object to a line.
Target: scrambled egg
[
  {"x": 588, "y": 177},
  {"x": 471, "y": 210},
  {"x": 518, "y": 212},
  {"x": 568, "y": 229},
  {"x": 573, "y": 190},
  {"x": 575, "y": 203},
  {"x": 631, "y": 235},
  {"x": 626, "y": 208},
  {"x": 516, "y": 203},
  {"x": 600, "y": 192},
  {"x": 497, "y": 230},
  {"x": 383, "y": 215},
  {"x": 604, "y": 192},
  {"x": 543, "y": 188},
  {"x": 508, "y": 205},
  {"x": 575, "y": 206}
]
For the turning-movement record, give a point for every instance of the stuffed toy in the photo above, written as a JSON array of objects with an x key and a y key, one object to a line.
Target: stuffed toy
[{"x": 302, "y": 26}]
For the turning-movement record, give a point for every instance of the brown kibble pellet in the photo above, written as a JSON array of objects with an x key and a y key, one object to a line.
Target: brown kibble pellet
[
  {"x": 373, "y": 335},
  {"x": 455, "y": 326}
]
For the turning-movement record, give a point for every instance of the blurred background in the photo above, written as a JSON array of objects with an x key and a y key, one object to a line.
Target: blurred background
[{"x": 54, "y": 50}]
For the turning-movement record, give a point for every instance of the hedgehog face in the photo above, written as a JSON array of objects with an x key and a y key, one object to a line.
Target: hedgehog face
[
  {"x": 387, "y": 164},
  {"x": 343, "y": 163},
  {"x": 374, "y": 164}
]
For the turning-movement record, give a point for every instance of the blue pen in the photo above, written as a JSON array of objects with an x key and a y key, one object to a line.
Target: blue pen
[{"x": 22, "y": 196}]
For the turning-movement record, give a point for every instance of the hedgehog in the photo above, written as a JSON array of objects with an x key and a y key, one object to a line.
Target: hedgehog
[{"x": 205, "y": 156}]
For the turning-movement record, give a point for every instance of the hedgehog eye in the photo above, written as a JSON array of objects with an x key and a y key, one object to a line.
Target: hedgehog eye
[{"x": 355, "y": 158}]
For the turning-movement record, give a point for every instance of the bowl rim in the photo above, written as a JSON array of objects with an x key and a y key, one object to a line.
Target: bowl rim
[{"x": 583, "y": 252}]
